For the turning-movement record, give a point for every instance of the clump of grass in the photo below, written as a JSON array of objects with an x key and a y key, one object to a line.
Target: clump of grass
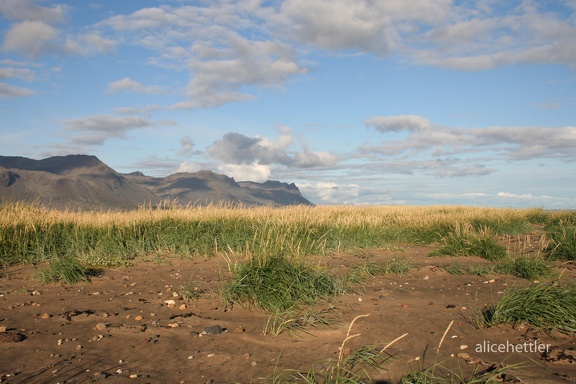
[
  {"x": 562, "y": 240},
  {"x": 67, "y": 270},
  {"x": 438, "y": 374},
  {"x": 191, "y": 291},
  {"x": 525, "y": 267},
  {"x": 346, "y": 369},
  {"x": 466, "y": 240},
  {"x": 277, "y": 285},
  {"x": 296, "y": 322},
  {"x": 469, "y": 269},
  {"x": 547, "y": 306}
]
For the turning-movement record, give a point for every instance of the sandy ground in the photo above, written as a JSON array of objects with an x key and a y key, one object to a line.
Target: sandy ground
[{"x": 119, "y": 328}]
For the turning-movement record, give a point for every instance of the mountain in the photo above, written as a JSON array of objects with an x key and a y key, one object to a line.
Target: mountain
[
  {"x": 75, "y": 182},
  {"x": 85, "y": 182},
  {"x": 206, "y": 187}
]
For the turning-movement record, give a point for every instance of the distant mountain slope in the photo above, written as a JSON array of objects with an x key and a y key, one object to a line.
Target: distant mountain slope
[
  {"x": 75, "y": 181},
  {"x": 85, "y": 182},
  {"x": 205, "y": 187}
]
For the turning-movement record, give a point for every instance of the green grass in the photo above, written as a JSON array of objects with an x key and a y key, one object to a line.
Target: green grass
[
  {"x": 438, "y": 374},
  {"x": 469, "y": 269},
  {"x": 66, "y": 270},
  {"x": 548, "y": 306},
  {"x": 525, "y": 267},
  {"x": 347, "y": 368},
  {"x": 278, "y": 285},
  {"x": 562, "y": 240},
  {"x": 466, "y": 240}
]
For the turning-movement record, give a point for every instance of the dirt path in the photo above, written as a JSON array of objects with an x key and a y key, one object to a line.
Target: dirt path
[{"x": 121, "y": 327}]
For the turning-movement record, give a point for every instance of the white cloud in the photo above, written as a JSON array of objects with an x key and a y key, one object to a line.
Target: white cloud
[
  {"x": 8, "y": 91},
  {"x": 127, "y": 84},
  {"x": 33, "y": 38},
  {"x": 187, "y": 166},
  {"x": 524, "y": 196},
  {"x": 16, "y": 73},
  {"x": 246, "y": 172},
  {"x": 331, "y": 192},
  {"x": 97, "y": 129},
  {"x": 513, "y": 142},
  {"x": 239, "y": 149},
  {"x": 187, "y": 147},
  {"x": 398, "y": 123},
  {"x": 88, "y": 44},
  {"x": 310, "y": 159},
  {"x": 27, "y": 10}
]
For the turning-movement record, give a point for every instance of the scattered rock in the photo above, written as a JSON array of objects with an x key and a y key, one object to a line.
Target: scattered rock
[
  {"x": 45, "y": 316},
  {"x": 214, "y": 330},
  {"x": 100, "y": 326},
  {"x": 138, "y": 318},
  {"x": 239, "y": 330},
  {"x": 3, "y": 329},
  {"x": 463, "y": 355},
  {"x": 11, "y": 337}
]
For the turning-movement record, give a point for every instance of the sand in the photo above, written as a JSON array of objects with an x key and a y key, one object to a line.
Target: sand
[{"x": 121, "y": 327}]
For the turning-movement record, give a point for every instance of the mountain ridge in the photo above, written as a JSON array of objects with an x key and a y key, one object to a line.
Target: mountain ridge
[{"x": 85, "y": 182}]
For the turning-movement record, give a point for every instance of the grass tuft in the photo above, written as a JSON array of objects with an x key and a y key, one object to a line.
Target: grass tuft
[
  {"x": 547, "y": 306},
  {"x": 466, "y": 240},
  {"x": 67, "y": 270},
  {"x": 525, "y": 267},
  {"x": 278, "y": 285}
]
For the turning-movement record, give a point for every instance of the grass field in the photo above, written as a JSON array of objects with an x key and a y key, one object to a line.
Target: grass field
[
  {"x": 31, "y": 234},
  {"x": 268, "y": 253}
]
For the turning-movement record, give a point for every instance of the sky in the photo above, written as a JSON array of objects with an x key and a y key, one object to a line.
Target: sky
[{"x": 358, "y": 102}]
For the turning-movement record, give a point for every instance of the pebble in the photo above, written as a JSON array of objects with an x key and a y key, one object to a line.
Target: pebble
[
  {"x": 45, "y": 316},
  {"x": 3, "y": 328},
  {"x": 138, "y": 318},
  {"x": 463, "y": 355},
  {"x": 463, "y": 346},
  {"x": 100, "y": 326},
  {"x": 214, "y": 330}
]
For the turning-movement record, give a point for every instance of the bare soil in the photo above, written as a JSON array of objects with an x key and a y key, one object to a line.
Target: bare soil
[{"x": 119, "y": 327}]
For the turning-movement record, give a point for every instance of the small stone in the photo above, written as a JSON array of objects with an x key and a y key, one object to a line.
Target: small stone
[
  {"x": 3, "y": 328},
  {"x": 173, "y": 325},
  {"x": 211, "y": 355},
  {"x": 463, "y": 355},
  {"x": 404, "y": 305},
  {"x": 171, "y": 303},
  {"x": 99, "y": 375},
  {"x": 138, "y": 318},
  {"x": 463, "y": 346},
  {"x": 214, "y": 330},
  {"x": 100, "y": 326},
  {"x": 182, "y": 307},
  {"x": 239, "y": 330},
  {"x": 253, "y": 363},
  {"x": 45, "y": 316},
  {"x": 133, "y": 376}
]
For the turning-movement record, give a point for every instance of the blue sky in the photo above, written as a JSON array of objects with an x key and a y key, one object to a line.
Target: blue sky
[{"x": 420, "y": 102}]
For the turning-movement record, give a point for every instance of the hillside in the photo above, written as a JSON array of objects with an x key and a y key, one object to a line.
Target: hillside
[{"x": 85, "y": 182}]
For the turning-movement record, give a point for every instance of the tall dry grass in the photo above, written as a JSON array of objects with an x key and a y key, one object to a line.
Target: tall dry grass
[{"x": 29, "y": 234}]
